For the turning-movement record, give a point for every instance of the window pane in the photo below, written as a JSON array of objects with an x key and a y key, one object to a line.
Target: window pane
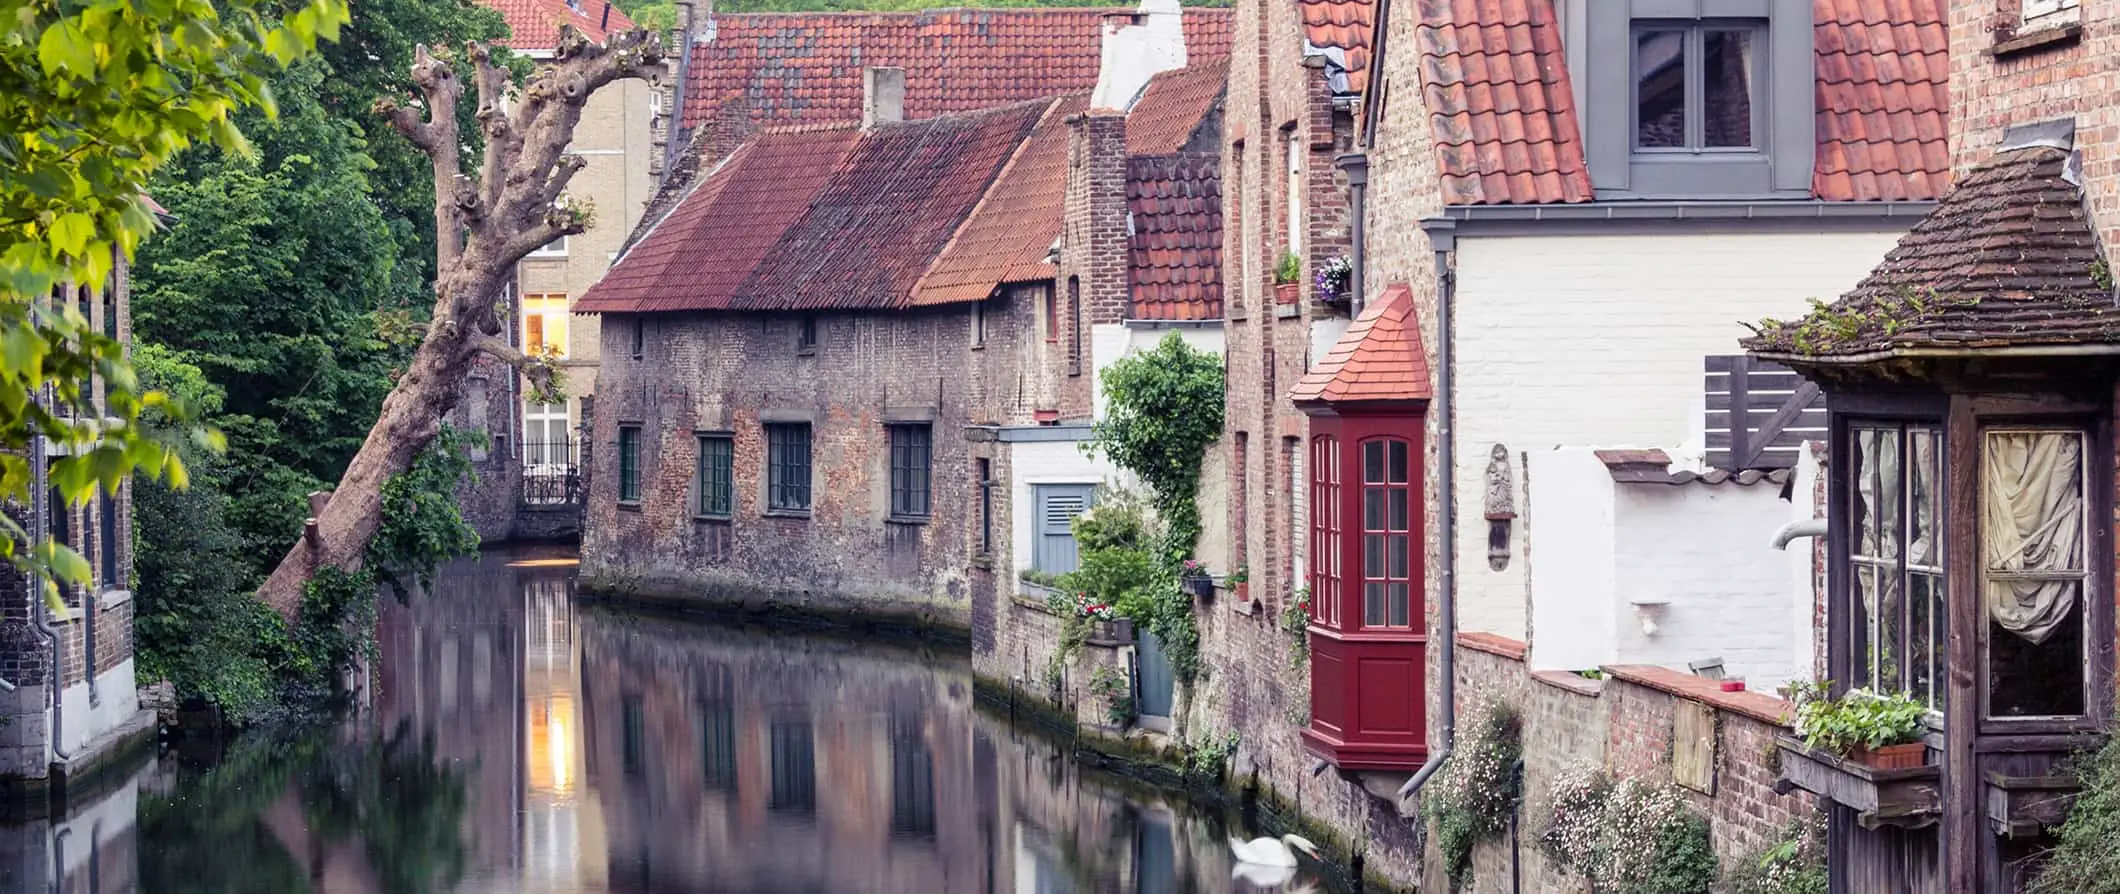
[
  {"x": 1398, "y": 509},
  {"x": 1398, "y": 462},
  {"x": 1864, "y": 661},
  {"x": 1728, "y": 61},
  {"x": 1373, "y": 462},
  {"x": 1660, "y": 89},
  {"x": 1373, "y": 604},
  {"x": 2033, "y": 551},
  {"x": 1924, "y": 536},
  {"x": 1921, "y": 651},
  {"x": 1372, "y": 509},
  {"x": 1398, "y": 557},
  {"x": 1399, "y": 602},
  {"x": 1891, "y": 632},
  {"x": 1373, "y": 556}
]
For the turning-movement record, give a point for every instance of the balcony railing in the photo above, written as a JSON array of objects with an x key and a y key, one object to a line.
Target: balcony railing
[{"x": 552, "y": 472}]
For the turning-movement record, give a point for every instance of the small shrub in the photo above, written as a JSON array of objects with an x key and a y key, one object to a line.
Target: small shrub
[
  {"x": 1289, "y": 270},
  {"x": 1473, "y": 797},
  {"x": 1113, "y": 687},
  {"x": 1208, "y": 757},
  {"x": 1794, "y": 865},
  {"x": 1627, "y": 836},
  {"x": 2086, "y": 860},
  {"x": 1859, "y": 719}
]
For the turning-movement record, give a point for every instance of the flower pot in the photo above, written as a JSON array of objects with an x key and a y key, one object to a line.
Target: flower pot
[
  {"x": 1288, "y": 293},
  {"x": 1892, "y": 757},
  {"x": 1200, "y": 586}
]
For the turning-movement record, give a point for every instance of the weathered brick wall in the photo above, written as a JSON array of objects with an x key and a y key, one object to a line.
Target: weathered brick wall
[
  {"x": 488, "y": 500},
  {"x": 726, "y": 373},
  {"x": 1623, "y": 724},
  {"x": 2073, "y": 79}
]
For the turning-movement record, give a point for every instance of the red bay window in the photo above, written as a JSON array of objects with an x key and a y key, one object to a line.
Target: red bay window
[{"x": 1367, "y": 403}]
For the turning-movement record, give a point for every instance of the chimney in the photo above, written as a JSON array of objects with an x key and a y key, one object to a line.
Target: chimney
[
  {"x": 882, "y": 96},
  {"x": 1138, "y": 46}
]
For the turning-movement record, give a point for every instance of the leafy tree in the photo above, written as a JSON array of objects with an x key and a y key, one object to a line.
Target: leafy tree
[{"x": 97, "y": 96}]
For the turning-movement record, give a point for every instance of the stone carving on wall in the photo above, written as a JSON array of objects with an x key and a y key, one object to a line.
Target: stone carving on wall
[{"x": 1501, "y": 507}]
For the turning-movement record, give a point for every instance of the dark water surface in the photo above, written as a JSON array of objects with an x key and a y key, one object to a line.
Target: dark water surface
[{"x": 521, "y": 743}]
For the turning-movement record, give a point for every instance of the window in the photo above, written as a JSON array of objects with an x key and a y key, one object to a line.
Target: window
[
  {"x": 985, "y": 469},
  {"x": 1074, "y": 336},
  {"x": 1325, "y": 530},
  {"x": 107, "y": 542},
  {"x": 2045, "y": 13},
  {"x": 1386, "y": 543},
  {"x": 1896, "y": 614},
  {"x": 1052, "y": 316},
  {"x": 545, "y": 324},
  {"x": 1057, "y": 505},
  {"x": 912, "y": 780},
  {"x": 557, "y": 248},
  {"x": 1694, "y": 86},
  {"x": 633, "y": 734},
  {"x": 629, "y": 463},
  {"x": 2035, "y": 571},
  {"x": 1295, "y": 190},
  {"x": 713, "y": 480},
  {"x": 979, "y": 324},
  {"x": 639, "y": 346},
  {"x": 806, "y": 338},
  {"x": 60, "y": 516},
  {"x": 788, "y": 467},
  {"x": 911, "y": 446},
  {"x": 794, "y": 766}
]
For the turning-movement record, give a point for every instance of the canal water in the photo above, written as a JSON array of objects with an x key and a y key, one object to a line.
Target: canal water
[{"x": 522, "y": 742}]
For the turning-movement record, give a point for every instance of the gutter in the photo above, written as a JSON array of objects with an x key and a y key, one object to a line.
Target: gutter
[
  {"x": 40, "y": 613},
  {"x": 1442, "y": 236}
]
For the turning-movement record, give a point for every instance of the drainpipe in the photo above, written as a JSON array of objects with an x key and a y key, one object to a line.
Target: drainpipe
[
  {"x": 41, "y": 625},
  {"x": 1796, "y": 530},
  {"x": 1442, "y": 236}
]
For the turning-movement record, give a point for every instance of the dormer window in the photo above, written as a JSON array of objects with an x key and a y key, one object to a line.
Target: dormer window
[{"x": 1692, "y": 100}]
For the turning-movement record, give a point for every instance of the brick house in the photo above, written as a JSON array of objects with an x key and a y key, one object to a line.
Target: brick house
[
  {"x": 1971, "y": 381},
  {"x": 833, "y": 342},
  {"x": 70, "y": 702}
]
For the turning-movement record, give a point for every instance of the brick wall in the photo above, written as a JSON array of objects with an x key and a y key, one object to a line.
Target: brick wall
[
  {"x": 1623, "y": 724},
  {"x": 1092, "y": 281},
  {"x": 488, "y": 500},
  {"x": 730, "y": 373}
]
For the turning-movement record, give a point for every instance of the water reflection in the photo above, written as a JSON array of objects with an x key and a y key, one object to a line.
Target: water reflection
[{"x": 519, "y": 743}]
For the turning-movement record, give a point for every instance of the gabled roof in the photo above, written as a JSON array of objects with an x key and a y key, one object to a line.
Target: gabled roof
[
  {"x": 1012, "y": 231},
  {"x": 533, "y": 25},
  {"x": 807, "y": 66},
  {"x": 818, "y": 218},
  {"x": 2007, "y": 259},
  {"x": 1507, "y": 131},
  {"x": 1174, "y": 264},
  {"x": 1379, "y": 358},
  {"x": 1344, "y": 25},
  {"x": 1174, "y": 106}
]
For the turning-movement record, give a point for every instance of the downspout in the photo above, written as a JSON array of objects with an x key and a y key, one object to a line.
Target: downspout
[
  {"x": 1442, "y": 236},
  {"x": 41, "y": 625}
]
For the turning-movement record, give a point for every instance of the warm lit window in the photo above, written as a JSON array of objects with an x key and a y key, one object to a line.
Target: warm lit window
[
  {"x": 2035, "y": 571},
  {"x": 911, "y": 448},
  {"x": 545, "y": 324},
  {"x": 1895, "y": 559},
  {"x": 629, "y": 464},
  {"x": 788, "y": 467},
  {"x": 713, "y": 479}
]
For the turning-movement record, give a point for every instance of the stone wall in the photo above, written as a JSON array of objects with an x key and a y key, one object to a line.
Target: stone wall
[{"x": 1625, "y": 725}]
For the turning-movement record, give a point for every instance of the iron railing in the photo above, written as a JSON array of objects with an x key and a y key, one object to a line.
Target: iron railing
[{"x": 552, "y": 472}]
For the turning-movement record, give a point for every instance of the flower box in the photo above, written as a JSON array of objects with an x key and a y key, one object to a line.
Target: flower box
[
  {"x": 1909, "y": 797},
  {"x": 1892, "y": 757},
  {"x": 1288, "y": 293},
  {"x": 1199, "y": 585},
  {"x": 2025, "y": 806}
]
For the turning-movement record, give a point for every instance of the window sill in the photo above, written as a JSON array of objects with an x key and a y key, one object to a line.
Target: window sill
[
  {"x": 713, "y": 519},
  {"x": 908, "y": 519},
  {"x": 800, "y": 514},
  {"x": 629, "y": 505},
  {"x": 805, "y": 352},
  {"x": 2046, "y": 37}
]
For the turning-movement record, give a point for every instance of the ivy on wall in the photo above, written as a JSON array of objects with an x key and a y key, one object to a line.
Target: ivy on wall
[{"x": 1164, "y": 409}]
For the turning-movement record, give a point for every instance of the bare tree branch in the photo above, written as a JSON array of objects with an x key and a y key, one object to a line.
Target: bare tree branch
[
  {"x": 407, "y": 122},
  {"x": 437, "y": 81},
  {"x": 537, "y": 369},
  {"x": 557, "y": 222},
  {"x": 502, "y": 142}
]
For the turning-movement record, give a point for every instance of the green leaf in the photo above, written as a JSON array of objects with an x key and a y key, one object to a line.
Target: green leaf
[
  {"x": 70, "y": 233},
  {"x": 64, "y": 48}
]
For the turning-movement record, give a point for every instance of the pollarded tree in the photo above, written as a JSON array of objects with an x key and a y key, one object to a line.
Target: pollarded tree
[{"x": 485, "y": 221}]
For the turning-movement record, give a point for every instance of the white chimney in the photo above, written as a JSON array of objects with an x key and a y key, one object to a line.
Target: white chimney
[
  {"x": 1137, "y": 47},
  {"x": 882, "y": 96}
]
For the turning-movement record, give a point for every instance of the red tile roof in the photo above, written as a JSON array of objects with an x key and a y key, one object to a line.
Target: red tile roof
[
  {"x": 1506, "y": 131},
  {"x": 1882, "y": 100},
  {"x": 1379, "y": 357},
  {"x": 1173, "y": 106},
  {"x": 818, "y": 217},
  {"x": 807, "y": 66},
  {"x": 1345, "y": 24},
  {"x": 1174, "y": 265},
  {"x": 1012, "y": 231},
  {"x": 534, "y": 24}
]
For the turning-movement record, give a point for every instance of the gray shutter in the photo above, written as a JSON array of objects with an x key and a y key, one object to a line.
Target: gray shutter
[
  {"x": 1057, "y": 506},
  {"x": 1759, "y": 414}
]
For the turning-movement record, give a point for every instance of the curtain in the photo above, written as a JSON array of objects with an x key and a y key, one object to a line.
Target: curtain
[{"x": 2032, "y": 521}]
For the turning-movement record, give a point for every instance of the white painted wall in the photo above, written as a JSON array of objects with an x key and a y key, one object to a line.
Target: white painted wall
[
  {"x": 1110, "y": 341},
  {"x": 1134, "y": 53},
  {"x": 1045, "y": 462},
  {"x": 1597, "y": 341},
  {"x": 1704, "y": 551}
]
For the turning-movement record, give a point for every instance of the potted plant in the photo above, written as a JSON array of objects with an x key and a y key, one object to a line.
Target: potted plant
[
  {"x": 1192, "y": 575},
  {"x": 1333, "y": 278},
  {"x": 1881, "y": 731},
  {"x": 1287, "y": 279},
  {"x": 1106, "y": 626},
  {"x": 1240, "y": 581}
]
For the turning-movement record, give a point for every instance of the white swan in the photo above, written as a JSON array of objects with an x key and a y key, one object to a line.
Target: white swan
[
  {"x": 1272, "y": 851},
  {"x": 1265, "y": 878}
]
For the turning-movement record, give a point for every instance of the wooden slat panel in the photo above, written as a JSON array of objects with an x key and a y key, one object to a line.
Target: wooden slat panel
[{"x": 1755, "y": 396}]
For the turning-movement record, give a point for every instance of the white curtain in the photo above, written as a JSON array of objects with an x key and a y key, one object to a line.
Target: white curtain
[{"x": 2032, "y": 521}]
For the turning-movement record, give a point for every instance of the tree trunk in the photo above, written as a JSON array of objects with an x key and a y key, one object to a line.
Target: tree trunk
[{"x": 483, "y": 226}]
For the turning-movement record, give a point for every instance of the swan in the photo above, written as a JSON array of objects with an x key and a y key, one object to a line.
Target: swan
[
  {"x": 1272, "y": 851},
  {"x": 1265, "y": 878}
]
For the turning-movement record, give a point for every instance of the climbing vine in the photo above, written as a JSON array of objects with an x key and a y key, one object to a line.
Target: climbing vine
[
  {"x": 1165, "y": 408},
  {"x": 1474, "y": 796}
]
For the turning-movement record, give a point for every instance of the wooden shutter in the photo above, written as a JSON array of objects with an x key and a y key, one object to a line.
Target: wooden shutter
[
  {"x": 1057, "y": 507},
  {"x": 1759, "y": 414}
]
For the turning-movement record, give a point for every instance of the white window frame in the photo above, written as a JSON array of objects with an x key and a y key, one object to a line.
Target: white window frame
[{"x": 2045, "y": 12}]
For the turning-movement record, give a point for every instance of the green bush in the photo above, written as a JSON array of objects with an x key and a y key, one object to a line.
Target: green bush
[
  {"x": 1626, "y": 836},
  {"x": 1794, "y": 865},
  {"x": 2085, "y": 861}
]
